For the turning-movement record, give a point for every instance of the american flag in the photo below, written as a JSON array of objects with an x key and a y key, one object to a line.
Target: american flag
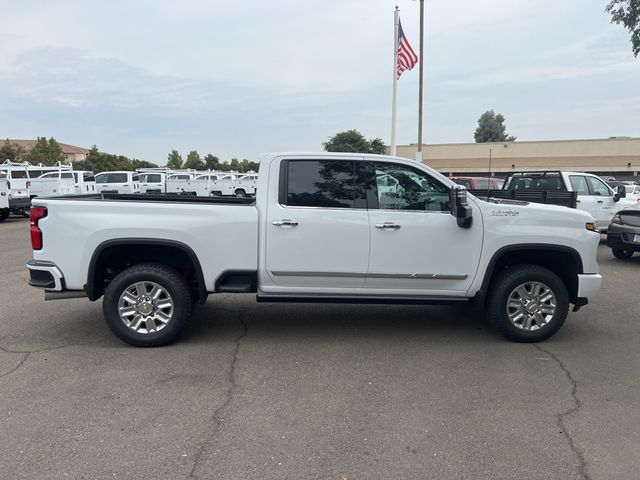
[{"x": 407, "y": 58}]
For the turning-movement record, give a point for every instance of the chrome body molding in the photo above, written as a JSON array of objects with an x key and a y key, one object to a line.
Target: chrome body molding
[{"x": 417, "y": 276}]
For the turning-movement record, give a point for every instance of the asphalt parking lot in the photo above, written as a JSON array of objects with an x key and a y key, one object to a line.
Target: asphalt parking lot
[{"x": 269, "y": 391}]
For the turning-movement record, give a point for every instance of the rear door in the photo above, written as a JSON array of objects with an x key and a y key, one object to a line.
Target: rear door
[
  {"x": 317, "y": 230},
  {"x": 585, "y": 201},
  {"x": 417, "y": 247}
]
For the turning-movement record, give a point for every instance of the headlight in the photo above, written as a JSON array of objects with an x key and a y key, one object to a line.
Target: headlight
[
  {"x": 592, "y": 227},
  {"x": 616, "y": 219}
]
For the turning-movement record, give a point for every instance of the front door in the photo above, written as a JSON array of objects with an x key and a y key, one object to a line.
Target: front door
[
  {"x": 317, "y": 230},
  {"x": 417, "y": 247}
]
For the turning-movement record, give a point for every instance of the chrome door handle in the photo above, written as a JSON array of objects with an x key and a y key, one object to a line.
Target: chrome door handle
[
  {"x": 389, "y": 225},
  {"x": 284, "y": 223}
]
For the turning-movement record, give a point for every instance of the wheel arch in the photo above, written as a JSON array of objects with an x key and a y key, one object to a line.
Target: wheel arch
[
  {"x": 562, "y": 260},
  {"x": 125, "y": 252}
]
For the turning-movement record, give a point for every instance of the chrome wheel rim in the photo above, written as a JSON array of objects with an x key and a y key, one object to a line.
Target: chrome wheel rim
[
  {"x": 531, "y": 306},
  {"x": 145, "y": 307}
]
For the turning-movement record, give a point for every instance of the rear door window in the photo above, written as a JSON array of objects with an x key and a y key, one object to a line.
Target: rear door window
[
  {"x": 319, "y": 183},
  {"x": 579, "y": 184}
]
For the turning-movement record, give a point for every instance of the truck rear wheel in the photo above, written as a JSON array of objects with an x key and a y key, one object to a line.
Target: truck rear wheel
[
  {"x": 147, "y": 305},
  {"x": 4, "y": 214},
  {"x": 240, "y": 193},
  {"x": 527, "y": 303}
]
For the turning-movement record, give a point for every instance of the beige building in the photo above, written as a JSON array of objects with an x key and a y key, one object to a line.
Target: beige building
[
  {"x": 618, "y": 157},
  {"x": 71, "y": 152}
]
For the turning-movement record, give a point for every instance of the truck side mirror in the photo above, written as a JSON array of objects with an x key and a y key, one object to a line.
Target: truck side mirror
[
  {"x": 460, "y": 207},
  {"x": 621, "y": 193}
]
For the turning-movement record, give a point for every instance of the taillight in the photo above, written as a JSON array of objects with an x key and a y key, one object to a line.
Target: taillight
[{"x": 36, "y": 234}]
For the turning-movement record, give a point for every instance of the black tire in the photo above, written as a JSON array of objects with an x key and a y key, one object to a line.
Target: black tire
[
  {"x": 167, "y": 278},
  {"x": 240, "y": 193},
  {"x": 621, "y": 253},
  {"x": 4, "y": 214},
  {"x": 506, "y": 283}
]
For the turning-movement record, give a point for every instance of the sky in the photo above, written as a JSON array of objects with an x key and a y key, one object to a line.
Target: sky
[{"x": 236, "y": 79}]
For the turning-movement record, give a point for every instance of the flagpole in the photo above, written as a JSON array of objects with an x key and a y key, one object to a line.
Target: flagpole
[
  {"x": 421, "y": 62},
  {"x": 394, "y": 101}
]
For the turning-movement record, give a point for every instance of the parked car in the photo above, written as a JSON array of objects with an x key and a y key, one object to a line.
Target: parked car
[
  {"x": 623, "y": 235},
  {"x": 480, "y": 183},
  {"x": 317, "y": 231},
  {"x": 246, "y": 185},
  {"x": 117, "y": 182}
]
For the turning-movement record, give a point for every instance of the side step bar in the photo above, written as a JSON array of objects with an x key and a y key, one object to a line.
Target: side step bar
[
  {"x": 266, "y": 297},
  {"x": 63, "y": 295}
]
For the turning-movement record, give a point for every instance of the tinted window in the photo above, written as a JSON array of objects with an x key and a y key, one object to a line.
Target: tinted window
[
  {"x": 179, "y": 177},
  {"x": 599, "y": 187},
  {"x": 404, "y": 188},
  {"x": 151, "y": 177},
  {"x": 36, "y": 173},
  {"x": 321, "y": 183},
  {"x": 482, "y": 183},
  {"x": 111, "y": 178},
  {"x": 135, "y": 177},
  {"x": 19, "y": 174},
  {"x": 579, "y": 184},
  {"x": 536, "y": 182}
]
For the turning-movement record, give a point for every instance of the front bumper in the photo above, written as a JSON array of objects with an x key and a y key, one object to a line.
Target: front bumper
[
  {"x": 45, "y": 275},
  {"x": 589, "y": 285},
  {"x": 621, "y": 237}
]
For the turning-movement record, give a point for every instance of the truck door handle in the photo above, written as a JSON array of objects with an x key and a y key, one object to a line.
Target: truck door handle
[
  {"x": 284, "y": 223},
  {"x": 388, "y": 225},
  {"x": 599, "y": 201}
]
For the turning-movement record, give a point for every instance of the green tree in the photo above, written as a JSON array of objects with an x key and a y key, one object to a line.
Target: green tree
[
  {"x": 353, "y": 141},
  {"x": 211, "y": 162},
  {"x": 627, "y": 13},
  {"x": 174, "y": 160},
  {"x": 234, "y": 165},
  {"x": 11, "y": 151},
  {"x": 135, "y": 164},
  {"x": 491, "y": 128},
  {"x": 377, "y": 146},
  {"x": 47, "y": 152},
  {"x": 193, "y": 161}
]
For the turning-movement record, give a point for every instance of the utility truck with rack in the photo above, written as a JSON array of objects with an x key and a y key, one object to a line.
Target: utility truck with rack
[{"x": 321, "y": 229}]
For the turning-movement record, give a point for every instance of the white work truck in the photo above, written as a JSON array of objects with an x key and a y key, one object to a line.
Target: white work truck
[
  {"x": 17, "y": 175},
  {"x": 53, "y": 184},
  {"x": 319, "y": 230},
  {"x": 4, "y": 197},
  {"x": 117, "y": 182}
]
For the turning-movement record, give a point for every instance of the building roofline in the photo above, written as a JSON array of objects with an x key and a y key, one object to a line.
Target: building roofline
[{"x": 576, "y": 140}]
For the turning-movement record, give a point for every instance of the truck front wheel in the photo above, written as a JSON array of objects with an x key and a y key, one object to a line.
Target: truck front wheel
[
  {"x": 527, "y": 303},
  {"x": 147, "y": 305}
]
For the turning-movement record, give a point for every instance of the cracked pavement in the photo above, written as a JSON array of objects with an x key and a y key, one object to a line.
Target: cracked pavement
[{"x": 268, "y": 391}]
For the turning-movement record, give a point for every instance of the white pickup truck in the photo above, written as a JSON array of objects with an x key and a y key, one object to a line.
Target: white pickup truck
[{"x": 319, "y": 230}]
